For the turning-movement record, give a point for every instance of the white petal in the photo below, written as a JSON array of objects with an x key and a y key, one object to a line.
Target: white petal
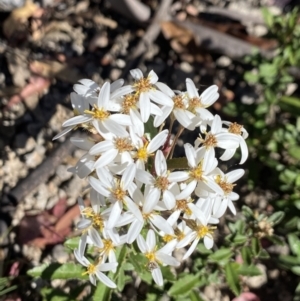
[
  {"x": 63, "y": 132},
  {"x": 182, "y": 117},
  {"x": 168, "y": 248},
  {"x": 191, "y": 249},
  {"x": 178, "y": 176},
  {"x": 105, "y": 267},
  {"x": 104, "y": 94},
  {"x": 161, "y": 98},
  {"x": 198, "y": 213},
  {"x": 115, "y": 128},
  {"x": 96, "y": 184},
  {"x": 134, "y": 230},
  {"x": 157, "y": 276},
  {"x": 128, "y": 175},
  {"x": 114, "y": 215},
  {"x": 209, "y": 96},
  {"x": 144, "y": 106},
  {"x": 103, "y": 278},
  {"x": 106, "y": 158},
  {"x": 228, "y": 154},
  {"x": 121, "y": 92},
  {"x": 117, "y": 84},
  {"x": 136, "y": 73},
  {"x": 101, "y": 147},
  {"x": 157, "y": 141},
  {"x": 244, "y": 150},
  {"x": 167, "y": 259},
  {"x": 134, "y": 209},
  {"x": 190, "y": 154},
  {"x": 155, "y": 110},
  {"x": 187, "y": 191},
  {"x": 208, "y": 242},
  {"x": 165, "y": 89},
  {"x": 144, "y": 176},
  {"x": 95, "y": 237},
  {"x": 160, "y": 223},
  {"x": 160, "y": 163},
  {"x": 231, "y": 207},
  {"x": 82, "y": 243},
  {"x": 150, "y": 240},
  {"x": 216, "y": 126},
  {"x": 227, "y": 140},
  {"x": 77, "y": 120},
  {"x": 159, "y": 119},
  {"x": 151, "y": 200},
  {"x": 169, "y": 200},
  {"x": 106, "y": 177},
  {"x": 234, "y": 175},
  {"x": 83, "y": 143},
  {"x": 191, "y": 89},
  {"x": 152, "y": 76},
  {"x": 142, "y": 244},
  {"x": 121, "y": 119}
]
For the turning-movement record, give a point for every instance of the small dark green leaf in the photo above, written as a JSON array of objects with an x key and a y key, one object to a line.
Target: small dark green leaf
[
  {"x": 294, "y": 243},
  {"x": 247, "y": 211},
  {"x": 184, "y": 285},
  {"x": 58, "y": 271},
  {"x": 149, "y": 128},
  {"x": 239, "y": 239},
  {"x": 72, "y": 243},
  {"x": 102, "y": 291},
  {"x": 194, "y": 296},
  {"x": 177, "y": 163},
  {"x": 296, "y": 270},
  {"x": 276, "y": 217},
  {"x": 289, "y": 260},
  {"x": 232, "y": 277},
  {"x": 246, "y": 255},
  {"x": 263, "y": 254},
  {"x": 249, "y": 270},
  {"x": 221, "y": 256},
  {"x": 167, "y": 273},
  {"x": 255, "y": 246}
]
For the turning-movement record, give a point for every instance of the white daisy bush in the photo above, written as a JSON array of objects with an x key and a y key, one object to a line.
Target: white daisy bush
[{"x": 139, "y": 195}]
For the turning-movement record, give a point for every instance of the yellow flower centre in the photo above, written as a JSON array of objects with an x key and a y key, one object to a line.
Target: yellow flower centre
[
  {"x": 98, "y": 113},
  {"x": 227, "y": 187},
  {"x": 178, "y": 102},
  {"x": 91, "y": 269},
  {"x": 151, "y": 256},
  {"x": 210, "y": 141},
  {"x": 235, "y": 128},
  {"x": 142, "y": 153},
  {"x": 204, "y": 230},
  {"x": 123, "y": 144},
  {"x": 168, "y": 237},
  {"x": 143, "y": 85},
  {"x": 197, "y": 172},
  {"x": 162, "y": 183},
  {"x": 195, "y": 103},
  {"x": 108, "y": 246},
  {"x": 129, "y": 102},
  {"x": 119, "y": 193},
  {"x": 97, "y": 220},
  {"x": 182, "y": 205},
  {"x": 179, "y": 234}
]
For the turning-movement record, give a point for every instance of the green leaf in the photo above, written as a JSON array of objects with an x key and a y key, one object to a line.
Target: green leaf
[
  {"x": 293, "y": 101},
  {"x": 255, "y": 246},
  {"x": 185, "y": 284},
  {"x": 221, "y": 256},
  {"x": 263, "y": 254},
  {"x": 268, "y": 17},
  {"x": 194, "y": 296},
  {"x": 289, "y": 260},
  {"x": 122, "y": 279},
  {"x": 58, "y": 271},
  {"x": 177, "y": 163},
  {"x": 72, "y": 243},
  {"x": 149, "y": 128},
  {"x": 294, "y": 151},
  {"x": 296, "y": 270},
  {"x": 53, "y": 294},
  {"x": 102, "y": 291},
  {"x": 276, "y": 217},
  {"x": 167, "y": 273},
  {"x": 232, "y": 277},
  {"x": 294, "y": 243},
  {"x": 249, "y": 270},
  {"x": 247, "y": 211},
  {"x": 239, "y": 239},
  {"x": 246, "y": 255}
]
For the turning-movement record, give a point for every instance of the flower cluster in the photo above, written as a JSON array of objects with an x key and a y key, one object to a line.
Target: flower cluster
[{"x": 134, "y": 182}]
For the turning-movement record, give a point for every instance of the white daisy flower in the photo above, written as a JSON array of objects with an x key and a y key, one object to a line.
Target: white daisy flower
[
  {"x": 95, "y": 270},
  {"x": 156, "y": 257}
]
